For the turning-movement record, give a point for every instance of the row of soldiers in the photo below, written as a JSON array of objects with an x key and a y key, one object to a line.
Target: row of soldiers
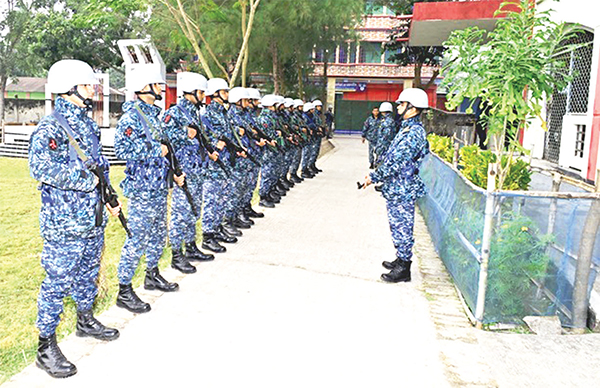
[
  {"x": 379, "y": 131},
  {"x": 210, "y": 157}
]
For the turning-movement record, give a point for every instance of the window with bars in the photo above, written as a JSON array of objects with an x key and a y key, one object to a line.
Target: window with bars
[
  {"x": 580, "y": 140},
  {"x": 370, "y": 52},
  {"x": 574, "y": 98},
  {"x": 343, "y": 54},
  {"x": 352, "y": 52}
]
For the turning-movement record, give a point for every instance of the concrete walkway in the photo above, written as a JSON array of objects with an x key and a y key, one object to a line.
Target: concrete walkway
[{"x": 298, "y": 303}]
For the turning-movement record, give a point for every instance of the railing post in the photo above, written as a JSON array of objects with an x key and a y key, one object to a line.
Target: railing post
[{"x": 556, "y": 180}]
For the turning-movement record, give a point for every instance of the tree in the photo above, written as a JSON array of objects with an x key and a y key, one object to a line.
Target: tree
[
  {"x": 404, "y": 53},
  {"x": 14, "y": 60},
  {"x": 512, "y": 69}
]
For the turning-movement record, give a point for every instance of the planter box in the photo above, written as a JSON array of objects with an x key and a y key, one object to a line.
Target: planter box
[{"x": 534, "y": 248}]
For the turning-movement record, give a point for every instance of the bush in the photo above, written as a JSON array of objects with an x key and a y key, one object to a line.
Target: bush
[
  {"x": 441, "y": 146},
  {"x": 474, "y": 164}
]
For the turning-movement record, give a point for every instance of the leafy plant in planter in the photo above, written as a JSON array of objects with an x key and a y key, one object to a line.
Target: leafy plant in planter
[{"x": 441, "y": 146}]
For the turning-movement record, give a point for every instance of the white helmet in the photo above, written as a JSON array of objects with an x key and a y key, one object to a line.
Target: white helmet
[
  {"x": 317, "y": 103},
  {"x": 308, "y": 106},
  {"x": 268, "y": 100},
  {"x": 237, "y": 94},
  {"x": 188, "y": 82},
  {"x": 216, "y": 84},
  {"x": 278, "y": 99},
  {"x": 253, "y": 94},
  {"x": 416, "y": 97},
  {"x": 386, "y": 107},
  {"x": 142, "y": 76},
  {"x": 298, "y": 102},
  {"x": 288, "y": 102},
  {"x": 65, "y": 74}
]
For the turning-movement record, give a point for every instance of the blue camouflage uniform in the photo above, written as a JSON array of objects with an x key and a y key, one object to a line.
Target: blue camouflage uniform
[
  {"x": 72, "y": 242},
  {"x": 402, "y": 185},
  {"x": 316, "y": 148},
  {"x": 297, "y": 120},
  {"x": 267, "y": 123},
  {"x": 145, "y": 185},
  {"x": 369, "y": 132},
  {"x": 385, "y": 135},
  {"x": 242, "y": 172},
  {"x": 308, "y": 149},
  {"x": 216, "y": 188},
  {"x": 258, "y": 152},
  {"x": 182, "y": 226}
]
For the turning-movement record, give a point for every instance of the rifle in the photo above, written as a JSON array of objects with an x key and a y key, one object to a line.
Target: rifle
[
  {"x": 205, "y": 143},
  {"x": 234, "y": 149},
  {"x": 175, "y": 169},
  {"x": 108, "y": 195},
  {"x": 262, "y": 135}
]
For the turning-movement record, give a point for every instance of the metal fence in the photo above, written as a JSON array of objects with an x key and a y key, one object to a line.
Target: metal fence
[{"x": 573, "y": 98}]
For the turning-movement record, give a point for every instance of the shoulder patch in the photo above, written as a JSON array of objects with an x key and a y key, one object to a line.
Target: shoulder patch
[
  {"x": 52, "y": 144},
  {"x": 167, "y": 118},
  {"x": 128, "y": 132}
]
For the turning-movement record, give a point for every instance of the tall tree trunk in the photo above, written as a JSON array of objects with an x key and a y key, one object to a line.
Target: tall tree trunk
[
  {"x": 275, "y": 56},
  {"x": 3, "y": 81},
  {"x": 324, "y": 90},
  {"x": 243, "y": 49},
  {"x": 244, "y": 4},
  {"x": 417, "y": 81},
  {"x": 300, "y": 80}
]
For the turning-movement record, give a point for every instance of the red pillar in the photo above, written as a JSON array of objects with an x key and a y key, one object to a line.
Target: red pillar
[{"x": 595, "y": 133}]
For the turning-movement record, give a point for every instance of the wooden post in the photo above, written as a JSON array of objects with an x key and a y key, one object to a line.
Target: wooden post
[
  {"x": 556, "y": 180},
  {"x": 456, "y": 154},
  {"x": 584, "y": 262}
]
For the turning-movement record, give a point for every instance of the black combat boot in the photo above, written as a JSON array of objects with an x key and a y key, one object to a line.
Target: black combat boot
[
  {"x": 129, "y": 300},
  {"x": 223, "y": 236},
  {"x": 279, "y": 190},
  {"x": 390, "y": 264},
  {"x": 287, "y": 185},
  {"x": 155, "y": 281},
  {"x": 274, "y": 197},
  {"x": 266, "y": 202},
  {"x": 307, "y": 174},
  {"x": 88, "y": 326},
  {"x": 243, "y": 217},
  {"x": 239, "y": 223},
  {"x": 379, "y": 188},
  {"x": 192, "y": 253},
  {"x": 180, "y": 262},
  {"x": 288, "y": 181},
  {"x": 210, "y": 242},
  {"x": 295, "y": 178},
  {"x": 401, "y": 273},
  {"x": 315, "y": 168},
  {"x": 253, "y": 214},
  {"x": 229, "y": 228},
  {"x": 51, "y": 360},
  {"x": 372, "y": 166}
]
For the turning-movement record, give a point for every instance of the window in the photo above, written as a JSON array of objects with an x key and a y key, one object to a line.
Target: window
[
  {"x": 580, "y": 140},
  {"x": 388, "y": 54},
  {"x": 343, "y": 54},
  {"x": 352, "y": 52},
  {"x": 370, "y": 52}
]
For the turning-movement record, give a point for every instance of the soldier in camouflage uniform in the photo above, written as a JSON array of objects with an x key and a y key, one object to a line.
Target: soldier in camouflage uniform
[
  {"x": 387, "y": 131},
  {"x": 267, "y": 121},
  {"x": 216, "y": 189},
  {"x": 308, "y": 149},
  {"x": 257, "y": 148},
  {"x": 369, "y": 133},
  {"x": 297, "y": 121},
  {"x": 242, "y": 171},
  {"x": 176, "y": 124},
  {"x": 138, "y": 141},
  {"x": 70, "y": 214},
  {"x": 320, "y": 124},
  {"x": 399, "y": 173}
]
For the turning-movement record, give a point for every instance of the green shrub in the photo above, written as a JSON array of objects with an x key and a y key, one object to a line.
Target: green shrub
[
  {"x": 474, "y": 164},
  {"x": 442, "y": 146}
]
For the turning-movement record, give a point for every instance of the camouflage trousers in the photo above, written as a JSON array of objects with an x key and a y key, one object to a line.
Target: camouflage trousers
[
  {"x": 215, "y": 194},
  {"x": 147, "y": 220},
  {"x": 371, "y": 152},
  {"x": 306, "y": 155},
  {"x": 401, "y": 216},
  {"x": 268, "y": 173},
  {"x": 296, "y": 159},
  {"x": 252, "y": 182},
  {"x": 240, "y": 180},
  {"x": 315, "y": 151},
  {"x": 71, "y": 267},
  {"x": 182, "y": 226}
]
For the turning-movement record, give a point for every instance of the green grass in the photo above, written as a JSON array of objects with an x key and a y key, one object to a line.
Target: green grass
[{"x": 21, "y": 273}]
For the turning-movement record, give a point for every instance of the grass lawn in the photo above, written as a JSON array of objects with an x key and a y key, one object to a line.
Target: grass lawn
[{"x": 21, "y": 273}]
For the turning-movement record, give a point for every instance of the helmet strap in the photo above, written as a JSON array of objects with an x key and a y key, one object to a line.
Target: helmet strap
[
  {"x": 151, "y": 92},
  {"x": 87, "y": 102}
]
